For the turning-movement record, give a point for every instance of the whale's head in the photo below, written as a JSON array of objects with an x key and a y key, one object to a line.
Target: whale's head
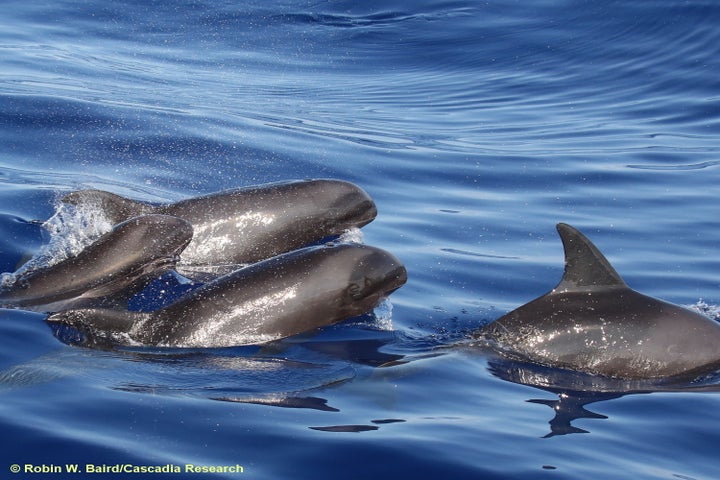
[
  {"x": 360, "y": 276},
  {"x": 343, "y": 204}
]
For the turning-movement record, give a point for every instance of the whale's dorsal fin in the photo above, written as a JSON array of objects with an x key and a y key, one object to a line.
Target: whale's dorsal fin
[
  {"x": 585, "y": 266},
  {"x": 116, "y": 208}
]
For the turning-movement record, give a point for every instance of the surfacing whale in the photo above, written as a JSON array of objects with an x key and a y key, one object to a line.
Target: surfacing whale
[
  {"x": 253, "y": 223},
  {"x": 269, "y": 300},
  {"x": 124, "y": 258},
  {"x": 593, "y": 322}
]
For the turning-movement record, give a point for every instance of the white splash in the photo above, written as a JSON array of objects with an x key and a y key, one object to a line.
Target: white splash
[
  {"x": 383, "y": 315},
  {"x": 71, "y": 229},
  {"x": 351, "y": 235},
  {"x": 710, "y": 311}
]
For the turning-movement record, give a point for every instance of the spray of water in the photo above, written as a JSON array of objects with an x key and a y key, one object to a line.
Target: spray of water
[{"x": 70, "y": 230}]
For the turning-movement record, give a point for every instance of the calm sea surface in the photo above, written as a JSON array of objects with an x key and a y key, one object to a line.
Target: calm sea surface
[{"x": 476, "y": 127}]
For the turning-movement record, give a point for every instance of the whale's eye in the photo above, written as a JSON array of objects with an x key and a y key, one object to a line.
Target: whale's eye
[{"x": 356, "y": 290}]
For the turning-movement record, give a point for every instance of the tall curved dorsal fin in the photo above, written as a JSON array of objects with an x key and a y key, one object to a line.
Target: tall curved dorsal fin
[{"x": 585, "y": 266}]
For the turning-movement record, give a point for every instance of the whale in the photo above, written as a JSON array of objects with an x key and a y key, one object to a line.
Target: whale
[
  {"x": 593, "y": 322},
  {"x": 122, "y": 260},
  {"x": 250, "y": 224},
  {"x": 285, "y": 295}
]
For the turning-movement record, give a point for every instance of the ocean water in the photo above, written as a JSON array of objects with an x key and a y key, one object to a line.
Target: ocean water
[{"x": 476, "y": 127}]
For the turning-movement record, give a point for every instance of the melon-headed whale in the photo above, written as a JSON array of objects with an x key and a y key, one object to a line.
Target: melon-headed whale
[
  {"x": 269, "y": 300},
  {"x": 122, "y": 259},
  {"x": 593, "y": 322},
  {"x": 249, "y": 224}
]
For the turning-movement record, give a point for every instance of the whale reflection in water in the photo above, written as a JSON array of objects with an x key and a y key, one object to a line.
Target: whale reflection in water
[{"x": 575, "y": 390}]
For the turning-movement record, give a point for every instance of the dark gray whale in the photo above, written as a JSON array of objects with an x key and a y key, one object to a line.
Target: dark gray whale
[
  {"x": 593, "y": 322},
  {"x": 254, "y": 223},
  {"x": 276, "y": 298},
  {"x": 122, "y": 259}
]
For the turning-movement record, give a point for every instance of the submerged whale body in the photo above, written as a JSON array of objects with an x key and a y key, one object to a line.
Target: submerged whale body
[
  {"x": 269, "y": 300},
  {"x": 249, "y": 224},
  {"x": 122, "y": 260},
  {"x": 593, "y": 322}
]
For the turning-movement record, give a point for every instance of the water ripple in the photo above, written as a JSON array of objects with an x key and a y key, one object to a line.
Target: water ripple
[{"x": 688, "y": 166}]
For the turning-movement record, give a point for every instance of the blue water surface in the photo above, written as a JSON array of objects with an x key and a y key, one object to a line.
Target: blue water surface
[{"x": 476, "y": 127}]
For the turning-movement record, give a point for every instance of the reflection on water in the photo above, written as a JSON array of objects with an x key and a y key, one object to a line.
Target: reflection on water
[
  {"x": 571, "y": 407},
  {"x": 576, "y": 390},
  {"x": 312, "y": 403},
  {"x": 281, "y": 374}
]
